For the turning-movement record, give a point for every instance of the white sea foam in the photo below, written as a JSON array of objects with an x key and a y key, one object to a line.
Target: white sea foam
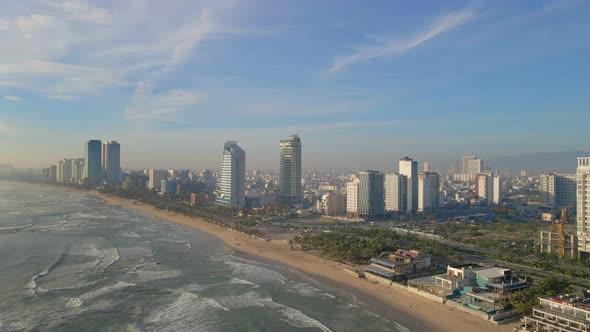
[
  {"x": 249, "y": 299},
  {"x": 297, "y": 318},
  {"x": 310, "y": 291},
  {"x": 130, "y": 234},
  {"x": 144, "y": 276},
  {"x": 238, "y": 281},
  {"x": 14, "y": 228},
  {"x": 289, "y": 315},
  {"x": 31, "y": 286},
  {"x": 14, "y": 213},
  {"x": 86, "y": 298},
  {"x": 255, "y": 273},
  {"x": 189, "y": 312}
]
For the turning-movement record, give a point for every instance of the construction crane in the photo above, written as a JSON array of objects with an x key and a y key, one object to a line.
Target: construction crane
[{"x": 560, "y": 234}]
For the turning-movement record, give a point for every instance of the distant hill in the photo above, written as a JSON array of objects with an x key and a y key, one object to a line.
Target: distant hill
[
  {"x": 6, "y": 169},
  {"x": 562, "y": 162}
]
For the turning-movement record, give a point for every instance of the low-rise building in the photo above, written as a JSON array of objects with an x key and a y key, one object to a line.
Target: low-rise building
[
  {"x": 399, "y": 264},
  {"x": 564, "y": 313}
]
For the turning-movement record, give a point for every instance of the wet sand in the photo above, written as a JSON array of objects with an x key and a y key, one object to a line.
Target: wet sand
[{"x": 413, "y": 311}]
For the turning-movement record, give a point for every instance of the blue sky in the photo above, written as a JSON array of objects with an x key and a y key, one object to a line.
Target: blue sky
[{"x": 363, "y": 83}]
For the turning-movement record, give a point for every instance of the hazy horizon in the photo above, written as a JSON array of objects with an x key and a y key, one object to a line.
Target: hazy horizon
[{"x": 362, "y": 86}]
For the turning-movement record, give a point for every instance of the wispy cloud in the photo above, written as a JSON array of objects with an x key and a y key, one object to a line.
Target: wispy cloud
[
  {"x": 146, "y": 105},
  {"x": 60, "y": 97},
  {"x": 75, "y": 48},
  {"x": 12, "y": 98},
  {"x": 388, "y": 47}
]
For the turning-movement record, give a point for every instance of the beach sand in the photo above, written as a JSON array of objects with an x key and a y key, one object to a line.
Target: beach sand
[{"x": 413, "y": 311}]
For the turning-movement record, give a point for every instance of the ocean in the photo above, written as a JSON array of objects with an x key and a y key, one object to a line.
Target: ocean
[{"x": 69, "y": 262}]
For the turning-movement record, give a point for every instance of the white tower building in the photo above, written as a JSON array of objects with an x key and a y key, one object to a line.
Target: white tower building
[
  {"x": 583, "y": 207},
  {"x": 232, "y": 180},
  {"x": 396, "y": 189},
  {"x": 290, "y": 171}
]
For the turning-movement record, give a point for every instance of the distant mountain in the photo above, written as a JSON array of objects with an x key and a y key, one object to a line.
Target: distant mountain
[
  {"x": 562, "y": 162},
  {"x": 6, "y": 169}
]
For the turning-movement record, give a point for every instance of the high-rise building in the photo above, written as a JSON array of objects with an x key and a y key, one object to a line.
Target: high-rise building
[
  {"x": 489, "y": 187},
  {"x": 498, "y": 190},
  {"x": 558, "y": 190},
  {"x": 583, "y": 207},
  {"x": 53, "y": 173},
  {"x": 77, "y": 170},
  {"x": 66, "y": 171},
  {"x": 409, "y": 168},
  {"x": 111, "y": 162},
  {"x": 371, "y": 203},
  {"x": 155, "y": 178},
  {"x": 92, "y": 162},
  {"x": 425, "y": 167},
  {"x": 60, "y": 171},
  {"x": 232, "y": 180},
  {"x": 396, "y": 189},
  {"x": 290, "y": 171},
  {"x": 428, "y": 191},
  {"x": 471, "y": 165},
  {"x": 352, "y": 193}
]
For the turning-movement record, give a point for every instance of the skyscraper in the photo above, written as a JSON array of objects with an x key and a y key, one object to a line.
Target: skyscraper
[
  {"x": 290, "y": 171},
  {"x": 409, "y": 168},
  {"x": 428, "y": 191},
  {"x": 232, "y": 180},
  {"x": 583, "y": 207},
  {"x": 92, "y": 162},
  {"x": 111, "y": 162},
  {"x": 77, "y": 170},
  {"x": 53, "y": 173},
  {"x": 66, "y": 171},
  {"x": 60, "y": 171},
  {"x": 370, "y": 196},
  {"x": 396, "y": 189}
]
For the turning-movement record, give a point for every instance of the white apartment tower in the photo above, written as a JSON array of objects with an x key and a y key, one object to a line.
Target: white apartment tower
[
  {"x": 290, "y": 171},
  {"x": 489, "y": 187},
  {"x": 558, "y": 190},
  {"x": 352, "y": 193},
  {"x": 232, "y": 179},
  {"x": 396, "y": 188},
  {"x": 583, "y": 207},
  {"x": 409, "y": 168},
  {"x": 60, "y": 171},
  {"x": 428, "y": 191},
  {"x": 77, "y": 170}
]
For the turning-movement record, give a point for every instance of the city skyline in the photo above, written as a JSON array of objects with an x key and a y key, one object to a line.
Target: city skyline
[{"x": 430, "y": 81}]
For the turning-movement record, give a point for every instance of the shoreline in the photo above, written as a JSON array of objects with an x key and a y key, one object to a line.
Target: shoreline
[{"x": 410, "y": 310}]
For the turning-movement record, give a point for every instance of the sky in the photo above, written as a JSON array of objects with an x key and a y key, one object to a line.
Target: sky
[{"x": 362, "y": 83}]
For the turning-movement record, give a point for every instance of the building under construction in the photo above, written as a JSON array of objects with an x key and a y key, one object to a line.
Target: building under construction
[
  {"x": 549, "y": 243},
  {"x": 556, "y": 242}
]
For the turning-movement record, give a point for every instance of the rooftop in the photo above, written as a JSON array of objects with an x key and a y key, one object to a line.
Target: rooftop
[
  {"x": 580, "y": 300},
  {"x": 491, "y": 273}
]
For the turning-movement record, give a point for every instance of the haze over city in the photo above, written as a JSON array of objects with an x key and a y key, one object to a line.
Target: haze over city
[{"x": 362, "y": 85}]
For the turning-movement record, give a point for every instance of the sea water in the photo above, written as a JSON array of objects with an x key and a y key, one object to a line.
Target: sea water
[{"x": 69, "y": 262}]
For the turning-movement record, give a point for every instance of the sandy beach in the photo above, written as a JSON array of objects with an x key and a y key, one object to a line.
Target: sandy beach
[{"x": 413, "y": 311}]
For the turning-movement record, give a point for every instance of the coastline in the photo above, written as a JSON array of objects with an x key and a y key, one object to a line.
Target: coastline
[{"x": 410, "y": 310}]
